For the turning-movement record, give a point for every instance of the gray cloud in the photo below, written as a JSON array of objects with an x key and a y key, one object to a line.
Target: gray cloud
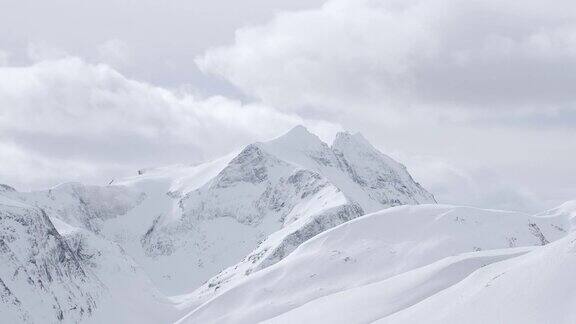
[
  {"x": 163, "y": 37},
  {"x": 454, "y": 53}
]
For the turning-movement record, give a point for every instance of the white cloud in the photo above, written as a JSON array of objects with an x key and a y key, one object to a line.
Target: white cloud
[
  {"x": 103, "y": 124},
  {"x": 487, "y": 85},
  {"x": 479, "y": 186},
  {"x": 162, "y": 37}
]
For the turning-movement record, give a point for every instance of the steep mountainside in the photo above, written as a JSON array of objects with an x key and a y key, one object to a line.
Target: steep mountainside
[
  {"x": 52, "y": 272},
  {"x": 41, "y": 278}
]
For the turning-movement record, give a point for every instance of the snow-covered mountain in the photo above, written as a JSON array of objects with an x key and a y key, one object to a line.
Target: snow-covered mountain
[
  {"x": 204, "y": 218},
  {"x": 173, "y": 228},
  {"x": 53, "y": 272},
  {"x": 41, "y": 278},
  {"x": 410, "y": 264},
  {"x": 282, "y": 231}
]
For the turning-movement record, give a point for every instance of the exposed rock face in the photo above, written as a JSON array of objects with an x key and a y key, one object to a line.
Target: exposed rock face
[
  {"x": 380, "y": 177},
  {"x": 367, "y": 177},
  {"x": 287, "y": 191},
  {"x": 295, "y": 184},
  {"x": 275, "y": 248},
  {"x": 54, "y": 273},
  {"x": 41, "y": 278}
]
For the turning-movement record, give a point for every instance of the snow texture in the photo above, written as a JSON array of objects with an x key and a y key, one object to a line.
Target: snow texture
[{"x": 383, "y": 264}]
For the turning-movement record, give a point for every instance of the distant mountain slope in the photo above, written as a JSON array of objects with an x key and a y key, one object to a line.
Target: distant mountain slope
[
  {"x": 185, "y": 224},
  {"x": 295, "y": 183},
  {"x": 52, "y": 272},
  {"x": 394, "y": 256}
]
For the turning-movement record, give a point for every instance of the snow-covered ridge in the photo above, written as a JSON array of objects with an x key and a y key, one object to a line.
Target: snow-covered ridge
[
  {"x": 217, "y": 213},
  {"x": 282, "y": 231},
  {"x": 383, "y": 263},
  {"x": 279, "y": 234},
  {"x": 537, "y": 287}
]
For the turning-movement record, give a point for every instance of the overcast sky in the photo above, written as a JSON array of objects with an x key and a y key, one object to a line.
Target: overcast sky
[{"x": 477, "y": 98}]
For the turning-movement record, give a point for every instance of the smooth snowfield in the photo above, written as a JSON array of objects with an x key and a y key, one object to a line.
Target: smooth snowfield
[
  {"x": 384, "y": 248},
  {"x": 535, "y": 288},
  {"x": 370, "y": 302}
]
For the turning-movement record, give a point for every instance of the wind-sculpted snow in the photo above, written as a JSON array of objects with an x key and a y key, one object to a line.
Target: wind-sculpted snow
[
  {"x": 379, "y": 253},
  {"x": 537, "y": 287}
]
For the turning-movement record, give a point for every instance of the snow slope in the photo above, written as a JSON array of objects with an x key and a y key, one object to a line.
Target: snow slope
[
  {"x": 411, "y": 252},
  {"x": 295, "y": 186},
  {"x": 537, "y": 287},
  {"x": 127, "y": 294},
  {"x": 368, "y": 303},
  {"x": 278, "y": 233},
  {"x": 41, "y": 278},
  {"x": 269, "y": 199},
  {"x": 52, "y": 272}
]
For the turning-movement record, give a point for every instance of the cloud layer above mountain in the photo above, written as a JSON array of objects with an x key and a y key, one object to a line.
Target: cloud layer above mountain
[
  {"x": 492, "y": 55},
  {"x": 487, "y": 86},
  {"x": 476, "y": 97},
  {"x": 67, "y": 119}
]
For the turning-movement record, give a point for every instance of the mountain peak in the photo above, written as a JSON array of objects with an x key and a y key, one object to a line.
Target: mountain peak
[
  {"x": 346, "y": 139},
  {"x": 297, "y": 134},
  {"x": 298, "y": 138}
]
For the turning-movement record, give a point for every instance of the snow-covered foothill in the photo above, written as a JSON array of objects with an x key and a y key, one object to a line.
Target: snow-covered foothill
[{"x": 387, "y": 248}]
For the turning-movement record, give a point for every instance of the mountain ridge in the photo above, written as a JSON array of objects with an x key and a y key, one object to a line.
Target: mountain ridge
[{"x": 209, "y": 226}]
